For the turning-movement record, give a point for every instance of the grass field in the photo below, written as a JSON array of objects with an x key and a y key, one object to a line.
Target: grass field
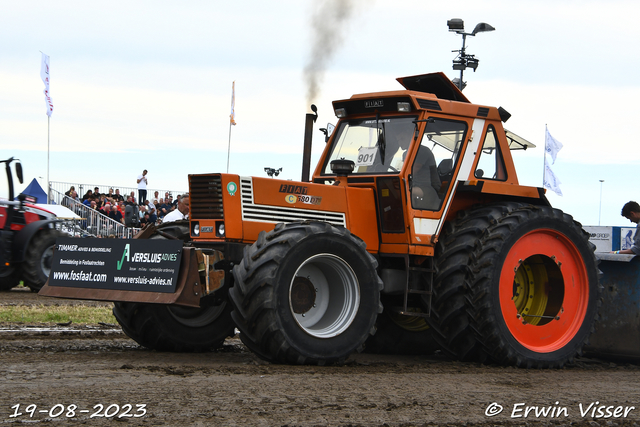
[{"x": 77, "y": 314}]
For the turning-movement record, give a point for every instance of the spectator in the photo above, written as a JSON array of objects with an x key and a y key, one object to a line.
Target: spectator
[
  {"x": 165, "y": 208},
  {"x": 133, "y": 197},
  {"x": 631, "y": 211},
  {"x": 101, "y": 201},
  {"x": 118, "y": 196},
  {"x": 71, "y": 190},
  {"x": 153, "y": 217},
  {"x": 142, "y": 187},
  {"x": 151, "y": 207},
  {"x": 145, "y": 220},
  {"x": 129, "y": 202},
  {"x": 115, "y": 215},
  {"x": 141, "y": 212},
  {"x": 96, "y": 192},
  {"x": 110, "y": 193},
  {"x": 105, "y": 209},
  {"x": 121, "y": 208},
  {"x": 182, "y": 212},
  {"x": 88, "y": 194},
  {"x": 155, "y": 195},
  {"x": 67, "y": 201}
]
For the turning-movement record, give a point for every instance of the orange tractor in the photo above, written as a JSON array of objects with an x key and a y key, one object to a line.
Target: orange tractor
[{"x": 412, "y": 229}]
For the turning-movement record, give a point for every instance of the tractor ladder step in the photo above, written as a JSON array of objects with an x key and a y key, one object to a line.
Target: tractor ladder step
[{"x": 424, "y": 276}]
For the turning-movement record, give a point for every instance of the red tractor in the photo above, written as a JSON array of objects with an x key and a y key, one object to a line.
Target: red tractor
[{"x": 27, "y": 238}]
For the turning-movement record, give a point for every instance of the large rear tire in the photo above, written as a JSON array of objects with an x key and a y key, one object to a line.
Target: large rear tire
[
  {"x": 175, "y": 328},
  {"x": 527, "y": 293},
  {"x": 306, "y": 293},
  {"x": 401, "y": 334},
  {"x": 9, "y": 278},
  {"x": 37, "y": 264}
]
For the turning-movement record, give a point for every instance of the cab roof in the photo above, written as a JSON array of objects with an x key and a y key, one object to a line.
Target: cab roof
[{"x": 435, "y": 83}]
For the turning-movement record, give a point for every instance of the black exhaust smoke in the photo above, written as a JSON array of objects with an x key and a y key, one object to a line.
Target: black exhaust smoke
[{"x": 328, "y": 32}]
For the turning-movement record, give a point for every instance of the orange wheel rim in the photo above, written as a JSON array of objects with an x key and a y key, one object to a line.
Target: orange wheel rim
[{"x": 544, "y": 290}]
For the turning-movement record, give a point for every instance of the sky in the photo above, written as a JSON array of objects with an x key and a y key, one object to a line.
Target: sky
[{"x": 147, "y": 85}]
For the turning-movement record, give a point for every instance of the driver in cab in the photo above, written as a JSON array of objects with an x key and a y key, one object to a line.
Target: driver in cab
[{"x": 425, "y": 180}]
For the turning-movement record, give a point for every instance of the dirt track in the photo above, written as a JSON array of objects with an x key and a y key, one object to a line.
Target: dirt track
[{"x": 231, "y": 387}]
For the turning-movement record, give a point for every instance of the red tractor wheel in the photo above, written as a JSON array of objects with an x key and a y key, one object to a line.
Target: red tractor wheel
[
  {"x": 544, "y": 291},
  {"x": 530, "y": 287}
]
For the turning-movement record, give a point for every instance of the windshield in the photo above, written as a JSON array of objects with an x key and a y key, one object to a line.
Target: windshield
[{"x": 374, "y": 146}]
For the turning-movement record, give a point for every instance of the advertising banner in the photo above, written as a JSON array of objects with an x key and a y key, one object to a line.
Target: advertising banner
[
  {"x": 602, "y": 237},
  {"x": 119, "y": 264},
  {"x": 626, "y": 237}
]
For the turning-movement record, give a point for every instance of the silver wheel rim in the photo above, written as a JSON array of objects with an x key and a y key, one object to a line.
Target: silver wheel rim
[
  {"x": 45, "y": 260},
  {"x": 196, "y": 317},
  {"x": 324, "y": 296}
]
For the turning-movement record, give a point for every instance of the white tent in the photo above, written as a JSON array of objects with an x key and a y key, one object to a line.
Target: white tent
[{"x": 60, "y": 211}]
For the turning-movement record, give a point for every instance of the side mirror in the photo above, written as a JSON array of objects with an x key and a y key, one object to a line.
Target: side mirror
[
  {"x": 326, "y": 134},
  {"x": 19, "y": 171},
  {"x": 327, "y": 131}
]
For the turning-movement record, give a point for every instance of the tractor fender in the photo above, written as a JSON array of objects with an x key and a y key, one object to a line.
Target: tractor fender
[{"x": 23, "y": 237}]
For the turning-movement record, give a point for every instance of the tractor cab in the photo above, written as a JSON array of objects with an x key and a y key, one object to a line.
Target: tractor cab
[{"x": 418, "y": 148}]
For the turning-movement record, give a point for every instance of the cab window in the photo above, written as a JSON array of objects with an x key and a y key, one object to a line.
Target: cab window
[
  {"x": 435, "y": 162},
  {"x": 490, "y": 164}
]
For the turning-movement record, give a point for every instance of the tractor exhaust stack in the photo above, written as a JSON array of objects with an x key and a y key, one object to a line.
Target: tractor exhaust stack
[{"x": 308, "y": 137}]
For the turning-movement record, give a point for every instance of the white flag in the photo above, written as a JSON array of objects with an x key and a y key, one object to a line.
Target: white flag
[
  {"x": 44, "y": 74},
  {"x": 551, "y": 145},
  {"x": 233, "y": 104},
  {"x": 550, "y": 180}
]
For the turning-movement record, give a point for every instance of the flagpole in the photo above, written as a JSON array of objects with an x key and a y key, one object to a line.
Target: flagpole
[
  {"x": 232, "y": 119},
  {"x": 48, "y": 145},
  {"x": 229, "y": 147},
  {"x": 544, "y": 156}
]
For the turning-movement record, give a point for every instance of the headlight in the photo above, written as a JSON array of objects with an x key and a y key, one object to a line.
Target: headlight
[
  {"x": 220, "y": 230},
  {"x": 404, "y": 107},
  {"x": 195, "y": 229},
  {"x": 341, "y": 112}
]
